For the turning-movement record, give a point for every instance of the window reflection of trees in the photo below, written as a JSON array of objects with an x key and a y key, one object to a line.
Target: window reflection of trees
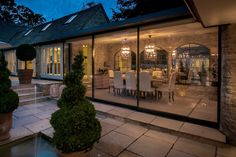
[
  {"x": 125, "y": 65},
  {"x": 193, "y": 60},
  {"x": 160, "y": 61}
]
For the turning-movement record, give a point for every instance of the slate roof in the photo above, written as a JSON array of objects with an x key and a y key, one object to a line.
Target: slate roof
[
  {"x": 85, "y": 19},
  {"x": 8, "y": 30},
  {"x": 93, "y": 21}
]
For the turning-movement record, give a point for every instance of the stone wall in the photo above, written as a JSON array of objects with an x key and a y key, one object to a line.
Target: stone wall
[{"x": 228, "y": 86}]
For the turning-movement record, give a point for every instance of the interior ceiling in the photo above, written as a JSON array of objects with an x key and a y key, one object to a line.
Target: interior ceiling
[
  {"x": 155, "y": 32},
  {"x": 216, "y": 12}
]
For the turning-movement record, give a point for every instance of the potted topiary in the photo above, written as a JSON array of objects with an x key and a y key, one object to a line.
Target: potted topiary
[
  {"x": 76, "y": 127},
  {"x": 25, "y": 53},
  {"x": 9, "y": 100}
]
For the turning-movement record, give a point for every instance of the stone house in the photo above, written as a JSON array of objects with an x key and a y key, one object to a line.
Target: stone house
[{"x": 195, "y": 43}]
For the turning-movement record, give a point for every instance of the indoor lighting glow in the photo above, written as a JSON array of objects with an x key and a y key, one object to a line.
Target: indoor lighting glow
[
  {"x": 150, "y": 50},
  {"x": 125, "y": 50}
]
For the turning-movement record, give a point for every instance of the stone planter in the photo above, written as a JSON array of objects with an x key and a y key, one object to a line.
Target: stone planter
[
  {"x": 54, "y": 90},
  {"x": 5, "y": 125},
  {"x": 25, "y": 76},
  {"x": 75, "y": 154},
  {"x": 61, "y": 89}
]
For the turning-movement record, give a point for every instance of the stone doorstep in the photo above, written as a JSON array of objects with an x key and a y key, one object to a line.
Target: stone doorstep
[
  {"x": 181, "y": 133},
  {"x": 30, "y": 95},
  {"x": 33, "y": 100}
]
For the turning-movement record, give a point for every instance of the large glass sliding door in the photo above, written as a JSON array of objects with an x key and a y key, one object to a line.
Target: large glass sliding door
[
  {"x": 84, "y": 46},
  {"x": 182, "y": 66},
  {"x": 52, "y": 62},
  {"x": 115, "y": 78}
]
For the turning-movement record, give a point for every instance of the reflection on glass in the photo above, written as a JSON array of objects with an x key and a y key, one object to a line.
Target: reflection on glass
[
  {"x": 115, "y": 67},
  {"x": 181, "y": 75},
  {"x": 84, "y": 46}
]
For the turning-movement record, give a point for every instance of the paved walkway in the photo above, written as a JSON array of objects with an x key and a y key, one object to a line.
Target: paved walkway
[{"x": 119, "y": 138}]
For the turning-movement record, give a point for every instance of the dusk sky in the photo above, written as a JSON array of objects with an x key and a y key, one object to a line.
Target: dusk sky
[{"x": 58, "y": 8}]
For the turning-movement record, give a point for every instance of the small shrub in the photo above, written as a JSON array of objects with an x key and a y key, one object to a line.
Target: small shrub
[
  {"x": 25, "y": 53},
  {"x": 9, "y": 99},
  {"x": 76, "y": 127}
]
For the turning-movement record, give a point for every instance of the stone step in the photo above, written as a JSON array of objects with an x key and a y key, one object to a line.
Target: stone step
[
  {"x": 34, "y": 100},
  {"x": 175, "y": 127},
  {"x": 21, "y": 86},
  {"x": 30, "y": 95},
  {"x": 25, "y": 90}
]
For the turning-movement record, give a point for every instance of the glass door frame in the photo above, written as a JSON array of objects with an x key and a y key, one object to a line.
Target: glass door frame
[{"x": 44, "y": 58}]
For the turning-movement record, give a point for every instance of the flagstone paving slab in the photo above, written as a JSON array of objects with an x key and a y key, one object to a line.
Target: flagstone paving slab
[
  {"x": 39, "y": 126},
  {"x": 49, "y": 132},
  {"x": 176, "y": 153},
  {"x": 17, "y": 122},
  {"x": 114, "y": 143},
  {"x": 226, "y": 151},
  {"x": 27, "y": 112},
  {"x": 195, "y": 148},
  {"x": 203, "y": 131},
  {"x": 128, "y": 154},
  {"x": 98, "y": 153},
  {"x": 113, "y": 121},
  {"x": 167, "y": 123},
  {"x": 161, "y": 136},
  {"x": 131, "y": 130},
  {"x": 102, "y": 107},
  {"x": 44, "y": 115},
  {"x": 143, "y": 117},
  {"x": 149, "y": 147},
  {"x": 121, "y": 112},
  {"x": 106, "y": 127},
  {"x": 122, "y": 139}
]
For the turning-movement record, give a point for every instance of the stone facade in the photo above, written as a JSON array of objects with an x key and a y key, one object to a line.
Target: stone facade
[{"x": 228, "y": 83}]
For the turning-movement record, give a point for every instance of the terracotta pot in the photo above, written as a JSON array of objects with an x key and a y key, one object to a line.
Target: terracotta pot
[
  {"x": 25, "y": 76},
  {"x": 75, "y": 154},
  {"x": 5, "y": 125}
]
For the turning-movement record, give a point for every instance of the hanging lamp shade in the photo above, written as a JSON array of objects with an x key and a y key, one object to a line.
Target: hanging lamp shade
[
  {"x": 150, "y": 50},
  {"x": 125, "y": 50}
]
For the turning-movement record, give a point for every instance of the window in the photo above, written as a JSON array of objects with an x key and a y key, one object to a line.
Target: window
[
  {"x": 28, "y": 32},
  {"x": 70, "y": 19},
  {"x": 51, "y": 62},
  {"x": 46, "y": 27}
]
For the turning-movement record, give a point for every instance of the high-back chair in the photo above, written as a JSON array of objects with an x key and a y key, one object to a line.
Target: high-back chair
[
  {"x": 157, "y": 74},
  {"x": 111, "y": 73},
  {"x": 111, "y": 79},
  {"x": 170, "y": 88},
  {"x": 130, "y": 82},
  {"x": 118, "y": 83},
  {"x": 145, "y": 83}
]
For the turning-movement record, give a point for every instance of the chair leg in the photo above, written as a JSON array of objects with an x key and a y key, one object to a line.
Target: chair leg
[
  {"x": 169, "y": 96},
  {"x": 173, "y": 95}
]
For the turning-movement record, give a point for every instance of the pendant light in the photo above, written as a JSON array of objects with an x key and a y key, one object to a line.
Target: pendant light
[
  {"x": 125, "y": 50},
  {"x": 150, "y": 50}
]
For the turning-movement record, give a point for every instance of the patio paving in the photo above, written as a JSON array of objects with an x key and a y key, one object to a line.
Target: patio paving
[{"x": 121, "y": 138}]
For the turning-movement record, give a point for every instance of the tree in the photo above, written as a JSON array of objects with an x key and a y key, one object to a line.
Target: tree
[
  {"x": 20, "y": 15},
  {"x": 132, "y": 8},
  {"x": 88, "y": 4},
  {"x": 9, "y": 99}
]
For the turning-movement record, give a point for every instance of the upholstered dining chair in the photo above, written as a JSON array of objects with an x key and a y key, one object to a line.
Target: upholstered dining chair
[
  {"x": 118, "y": 83},
  {"x": 130, "y": 83},
  {"x": 111, "y": 79},
  {"x": 145, "y": 84},
  {"x": 168, "y": 88}
]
